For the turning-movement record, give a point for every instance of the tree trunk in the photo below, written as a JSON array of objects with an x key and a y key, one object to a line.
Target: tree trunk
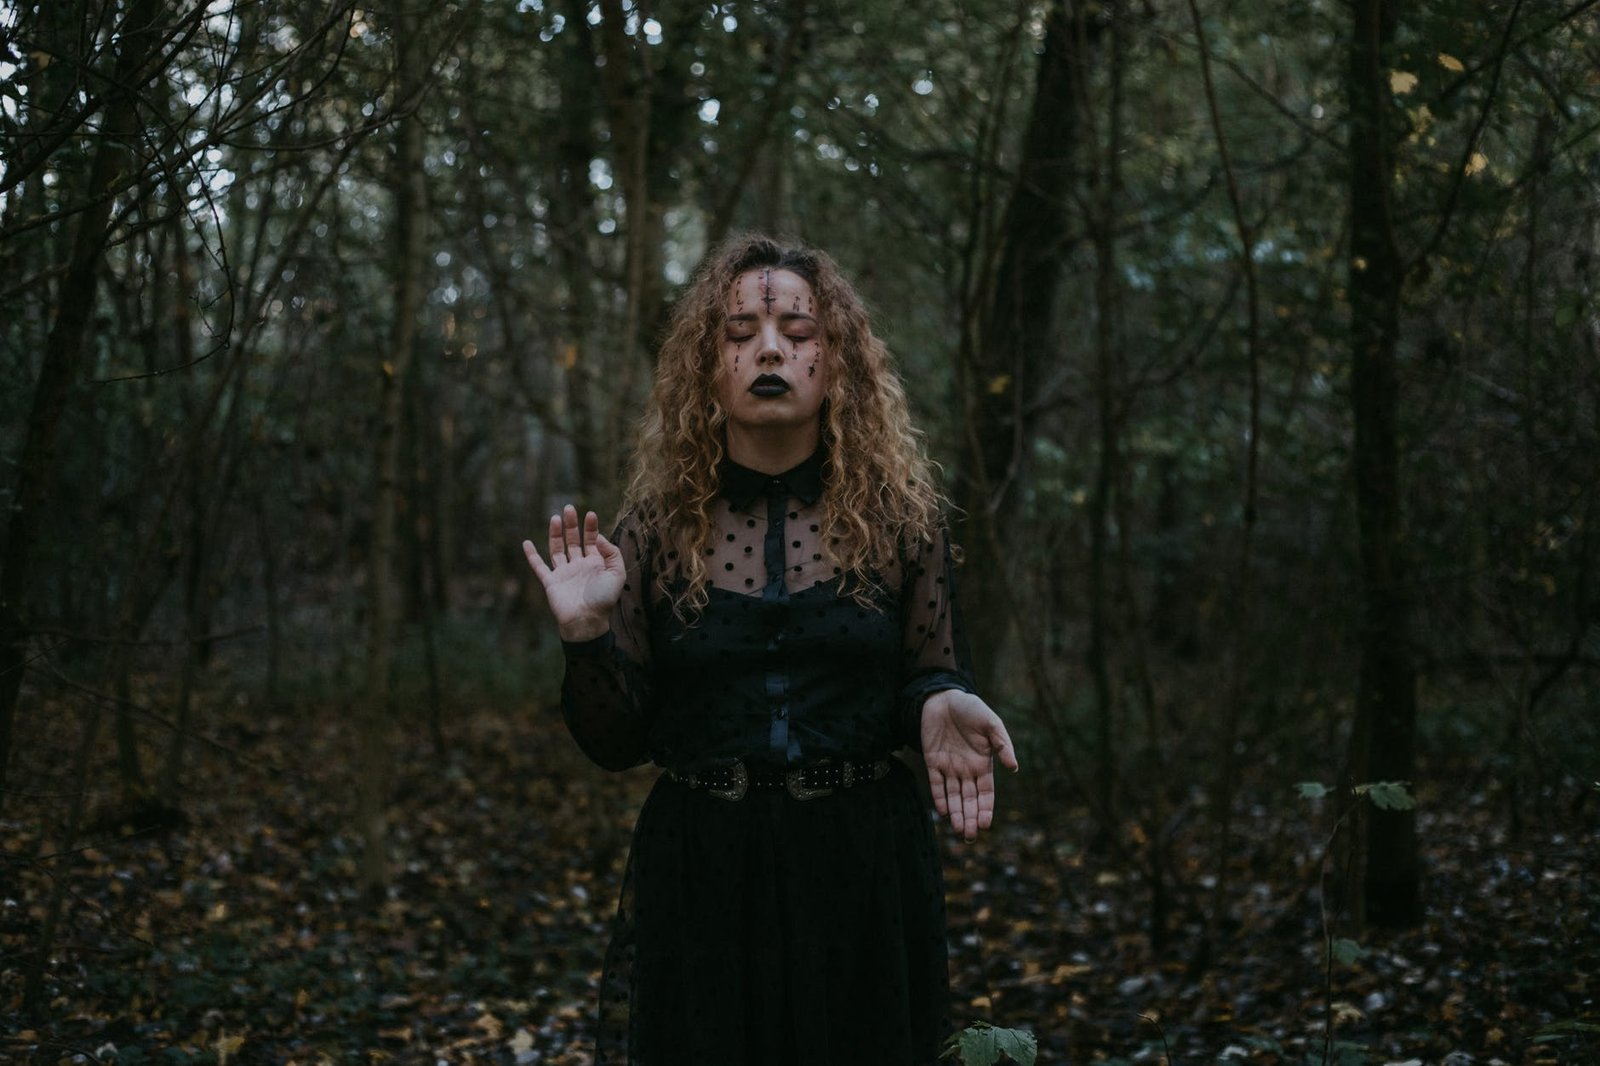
[
  {"x": 1383, "y": 740},
  {"x": 410, "y": 193},
  {"x": 1015, "y": 339},
  {"x": 212, "y": 477},
  {"x": 422, "y": 562},
  {"x": 572, "y": 221},
  {"x": 1107, "y": 378},
  {"x": 1242, "y": 594},
  {"x": 269, "y": 587},
  {"x": 64, "y": 353}
]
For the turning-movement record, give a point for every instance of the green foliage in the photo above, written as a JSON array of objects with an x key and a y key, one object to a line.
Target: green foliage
[
  {"x": 1347, "y": 952},
  {"x": 1561, "y": 1030},
  {"x": 1345, "y": 1053},
  {"x": 1387, "y": 795},
  {"x": 982, "y": 1044}
]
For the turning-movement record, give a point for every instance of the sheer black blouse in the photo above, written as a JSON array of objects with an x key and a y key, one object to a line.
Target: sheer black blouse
[{"x": 779, "y": 668}]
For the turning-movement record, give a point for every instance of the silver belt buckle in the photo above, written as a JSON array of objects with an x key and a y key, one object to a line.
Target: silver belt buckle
[
  {"x": 791, "y": 784},
  {"x": 741, "y": 784}
]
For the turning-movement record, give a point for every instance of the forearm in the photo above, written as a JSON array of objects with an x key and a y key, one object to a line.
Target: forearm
[{"x": 604, "y": 701}]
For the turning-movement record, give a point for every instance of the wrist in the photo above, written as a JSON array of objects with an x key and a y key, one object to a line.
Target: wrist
[
  {"x": 940, "y": 696},
  {"x": 581, "y": 629}
]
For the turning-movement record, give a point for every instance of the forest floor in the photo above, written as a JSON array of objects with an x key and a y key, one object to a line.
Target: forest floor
[{"x": 241, "y": 935}]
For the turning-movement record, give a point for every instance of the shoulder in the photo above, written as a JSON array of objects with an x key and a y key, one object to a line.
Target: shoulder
[{"x": 926, "y": 539}]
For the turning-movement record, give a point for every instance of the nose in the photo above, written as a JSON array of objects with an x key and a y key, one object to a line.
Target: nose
[{"x": 769, "y": 354}]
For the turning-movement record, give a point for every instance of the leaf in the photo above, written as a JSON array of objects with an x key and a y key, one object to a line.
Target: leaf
[
  {"x": 1555, "y": 1030},
  {"x": 1388, "y": 795},
  {"x": 1019, "y": 1045},
  {"x": 1344, "y": 1013},
  {"x": 1401, "y": 83},
  {"x": 1346, "y": 951},
  {"x": 1311, "y": 790},
  {"x": 981, "y": 1044},
  {"x": 1349, "y": 1053},
  {"x": 976, "y": 1047},
  {"x": 1476, "y": 163},
  {"x": 999, "y": 384},
  {"x": 1450, "y": 63},
  {"x": 226, "y": 1046}
]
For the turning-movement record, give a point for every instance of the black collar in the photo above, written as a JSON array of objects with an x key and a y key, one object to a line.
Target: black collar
[{"x": 740, "y": 485}]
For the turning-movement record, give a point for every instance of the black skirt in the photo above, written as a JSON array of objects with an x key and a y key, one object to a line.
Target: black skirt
[{"x": 771, "y": 931}]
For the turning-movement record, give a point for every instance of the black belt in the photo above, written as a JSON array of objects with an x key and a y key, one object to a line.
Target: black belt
[{"x": 801, "y": 782}]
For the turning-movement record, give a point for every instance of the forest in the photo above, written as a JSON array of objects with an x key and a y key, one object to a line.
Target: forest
[{"x": 1258, "y": 347}]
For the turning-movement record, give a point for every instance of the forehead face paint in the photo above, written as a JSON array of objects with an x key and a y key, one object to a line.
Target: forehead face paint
[{"x": 768, "y": 316}]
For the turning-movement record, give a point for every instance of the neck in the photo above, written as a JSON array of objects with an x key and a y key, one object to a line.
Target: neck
[{"x": 772, "y": 451}]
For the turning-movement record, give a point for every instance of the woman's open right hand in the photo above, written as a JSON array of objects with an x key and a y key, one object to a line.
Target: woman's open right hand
[{"x": 584, "y": 578}]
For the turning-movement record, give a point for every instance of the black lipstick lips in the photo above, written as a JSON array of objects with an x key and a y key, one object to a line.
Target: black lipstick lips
[{"x": 769, "y": 385}]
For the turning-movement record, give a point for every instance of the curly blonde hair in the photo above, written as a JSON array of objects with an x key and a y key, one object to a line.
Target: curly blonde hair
[{"x": 880, "y": 493}]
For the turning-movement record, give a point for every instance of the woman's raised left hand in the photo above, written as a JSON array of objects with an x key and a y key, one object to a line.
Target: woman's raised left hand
[{"x": 960, "y": 738}]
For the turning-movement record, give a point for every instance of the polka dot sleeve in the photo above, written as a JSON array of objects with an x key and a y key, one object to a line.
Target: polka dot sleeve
[
  {"x": 933, "y": 645},
  {"x": 606, "y": 691}
]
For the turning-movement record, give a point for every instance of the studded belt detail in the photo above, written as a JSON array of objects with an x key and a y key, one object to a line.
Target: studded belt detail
[{"x": 801, "y": 782}]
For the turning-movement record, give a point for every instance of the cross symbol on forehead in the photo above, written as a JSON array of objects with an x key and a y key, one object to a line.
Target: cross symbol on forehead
[{"x": 766, "y": 289}]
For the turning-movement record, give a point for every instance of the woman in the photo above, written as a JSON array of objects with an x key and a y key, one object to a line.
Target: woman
[{"x": 774, "y": 616}]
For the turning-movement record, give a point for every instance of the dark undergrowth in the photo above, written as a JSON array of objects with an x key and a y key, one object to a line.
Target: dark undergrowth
[{"x": 236, "y": 931}]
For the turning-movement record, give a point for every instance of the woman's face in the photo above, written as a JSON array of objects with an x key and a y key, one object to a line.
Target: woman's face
[{"x": 774, "y": 367}]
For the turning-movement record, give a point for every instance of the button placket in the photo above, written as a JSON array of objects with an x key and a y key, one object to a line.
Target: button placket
[{"x": 774, "y": 593}]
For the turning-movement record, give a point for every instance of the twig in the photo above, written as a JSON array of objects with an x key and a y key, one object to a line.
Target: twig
[
  {"x": 1166, "y": 1048},
  {"x": 165, "y": 722},
  {"x": 97, "y": 638}
]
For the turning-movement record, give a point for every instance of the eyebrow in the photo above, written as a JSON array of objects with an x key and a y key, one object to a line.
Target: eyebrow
[{"x": 786, "y": 316}]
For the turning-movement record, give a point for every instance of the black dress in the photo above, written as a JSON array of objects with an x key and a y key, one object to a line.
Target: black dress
[{"x": 772, "y": 930}]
